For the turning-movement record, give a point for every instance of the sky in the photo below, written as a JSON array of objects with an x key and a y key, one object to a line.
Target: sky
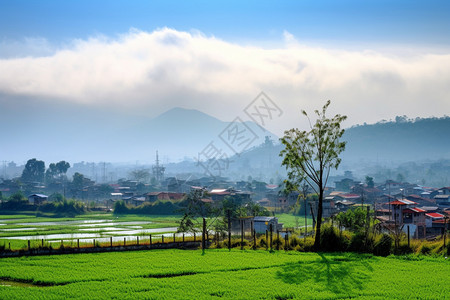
[{"x": 373, "y": 59}]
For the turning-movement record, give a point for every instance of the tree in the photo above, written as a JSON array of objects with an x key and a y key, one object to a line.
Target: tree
[
  {"x": 369, "y": 182},
  {"x": 310, "y": 155},
  {"x": 195, "y": 208},
  {"x": 77, "y": 183},
  {"x": 34, "y": 171},
  {"x": 57, "y": 171},
  {"x": 140, "y": 175}
]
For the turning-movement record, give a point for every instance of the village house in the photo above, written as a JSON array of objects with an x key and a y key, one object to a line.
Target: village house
[
  {"x": 37, "y": 199},
  {"x": 259, "y": 224},
  {"x": 404, "y": 212},
  {"x": 442, "y": 200},
  {"x": 155, "y": 196}
]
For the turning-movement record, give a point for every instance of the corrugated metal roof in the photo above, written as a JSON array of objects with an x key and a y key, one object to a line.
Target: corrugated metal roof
[
  {"x": 217, "y": 191},
  {"x": 435, "y": 215},
  {"x": 263, "y": 219},
  {"x": 402, "y": 202},
  {"x": 414, "y": 209},
  {"x": 38, "y": 195}
]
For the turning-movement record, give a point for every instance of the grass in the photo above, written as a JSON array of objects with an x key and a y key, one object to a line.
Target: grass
[
  {"x": 290, "y": 220},
  {"x": 178, "y": 274}
]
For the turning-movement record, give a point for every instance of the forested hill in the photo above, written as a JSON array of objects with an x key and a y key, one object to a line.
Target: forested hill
[
  {"x": 400, "y": 140},
  {"x": 388, "y": 143}
]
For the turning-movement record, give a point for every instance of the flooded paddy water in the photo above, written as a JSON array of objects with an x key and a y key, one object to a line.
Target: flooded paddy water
[{"x": 84, "y": 230}]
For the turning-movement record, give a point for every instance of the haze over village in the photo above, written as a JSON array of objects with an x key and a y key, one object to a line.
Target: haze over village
[{"x": 156, "y": 133}]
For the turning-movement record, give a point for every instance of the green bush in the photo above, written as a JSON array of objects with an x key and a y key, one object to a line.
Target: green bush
[
  {"x": 425, "y": 249},
  {"x": 383, "y": 245},
  {"x": 331, "y": 240},
  {"x": 357, "y": 242},
  {"x": 277, "y": 243},
  {"x": 263, "y": 243},
  {"x": 294, "y": 241}
]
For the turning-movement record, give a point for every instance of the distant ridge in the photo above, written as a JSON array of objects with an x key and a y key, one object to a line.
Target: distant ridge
[{"x": 401, "y": 140}]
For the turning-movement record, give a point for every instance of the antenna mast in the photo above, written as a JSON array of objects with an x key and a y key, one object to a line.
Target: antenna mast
[{"x": 158, "y": 170}]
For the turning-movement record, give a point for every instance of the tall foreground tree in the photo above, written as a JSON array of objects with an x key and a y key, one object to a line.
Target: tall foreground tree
[{"x": 310, "y": 155}]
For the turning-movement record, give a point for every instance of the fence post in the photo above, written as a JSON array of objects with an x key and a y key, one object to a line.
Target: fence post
[
  {"x": 29, "y": 248},
  {"x": 286, "y": 237},
  {"x": 194, "y": 236},
  {"x": 78, "y": 243},
  {"x": 445, "y": 231},
  {"x": 242, "y": 234},
  {"x": 162, "y": 238},
  {"x": 271, "y": 237},
  {"x": 278, "y": 240},
  {"x": 267, "y": 239},
  {"x": 150, "y": 239},
  {"x": 229, "y": 229},
  {"x": 183, "y": 237},
  {"x": 254, "y": 239},
  {"x": 408, "y": 236},
  {"x": 174, "y": 237},
  {"x": 204, "y": 235},
  {"x": 124, "y": 241},
  {"x": 94, "y": 243},
  {"x": 137, "y": 240},
  {"x": 42, "y": 242},
  {"x": 110, "y": 241}
]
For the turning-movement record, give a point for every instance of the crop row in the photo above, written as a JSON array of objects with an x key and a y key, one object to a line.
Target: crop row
[{"x": 171, "y": 274}]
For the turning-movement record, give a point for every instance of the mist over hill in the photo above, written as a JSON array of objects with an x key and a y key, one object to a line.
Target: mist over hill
[
  {"x": 415, "y": 150},
  {"x": 181, "y": 134},
  {"x": 74, "y": 135},
  {"x": 398, "y": 141}
]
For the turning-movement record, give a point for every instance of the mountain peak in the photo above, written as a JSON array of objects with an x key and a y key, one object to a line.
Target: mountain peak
[{"x": 181, "y": 115}]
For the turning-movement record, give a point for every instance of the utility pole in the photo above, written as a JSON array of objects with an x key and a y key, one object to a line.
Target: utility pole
[{"x": 204, "y": 236}]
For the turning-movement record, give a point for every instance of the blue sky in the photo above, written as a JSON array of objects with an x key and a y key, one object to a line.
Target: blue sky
[
  {"x": 374, "y": 60},
  {"x": 366, "y": 22}
]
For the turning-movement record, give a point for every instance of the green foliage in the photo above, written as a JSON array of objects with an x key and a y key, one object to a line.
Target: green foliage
[
  {"x": 56, "y": 197},
  {"x": 310, "y": 155},
  {"x": 33, "y": 171},
  {"x": 331, "y": 240},
  {"x": 56, "y": 171},
  {"x": 353, "y": 219},
  {"x": 157, "y": 208},
  {"x": 369, "y": 182},
  {"x": 65, "y": 207},
  {"x": 17, "y": 197},
  {"x": 383, "y": 245},
  {"x": 16, "y": 202},
  {"x": 357, "y": 243}
]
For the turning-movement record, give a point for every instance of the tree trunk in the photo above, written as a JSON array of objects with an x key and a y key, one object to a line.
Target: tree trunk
[{"x": 317, "y": 245}]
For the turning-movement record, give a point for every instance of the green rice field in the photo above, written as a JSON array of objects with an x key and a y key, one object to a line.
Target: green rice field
[
  {"x": 219, "y": 273},
  {"x": 16, "y": 230}
]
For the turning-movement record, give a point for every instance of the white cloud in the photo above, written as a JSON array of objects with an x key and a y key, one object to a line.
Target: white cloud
[{"x": 165, "y": 68}]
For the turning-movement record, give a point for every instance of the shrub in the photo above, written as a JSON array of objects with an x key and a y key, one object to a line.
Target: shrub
[
  {"x": 357, "y": 242},
  {"x": 425, "y": 249},
  {"x": 308, "y": 246},
  {"x": 263, "y": 243},
  {"x": 331, "y": 240},
  {"x": 383, "y": 245},
  {"x": 294, "y": 241},
  {"x": 277, "y": 243}
]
